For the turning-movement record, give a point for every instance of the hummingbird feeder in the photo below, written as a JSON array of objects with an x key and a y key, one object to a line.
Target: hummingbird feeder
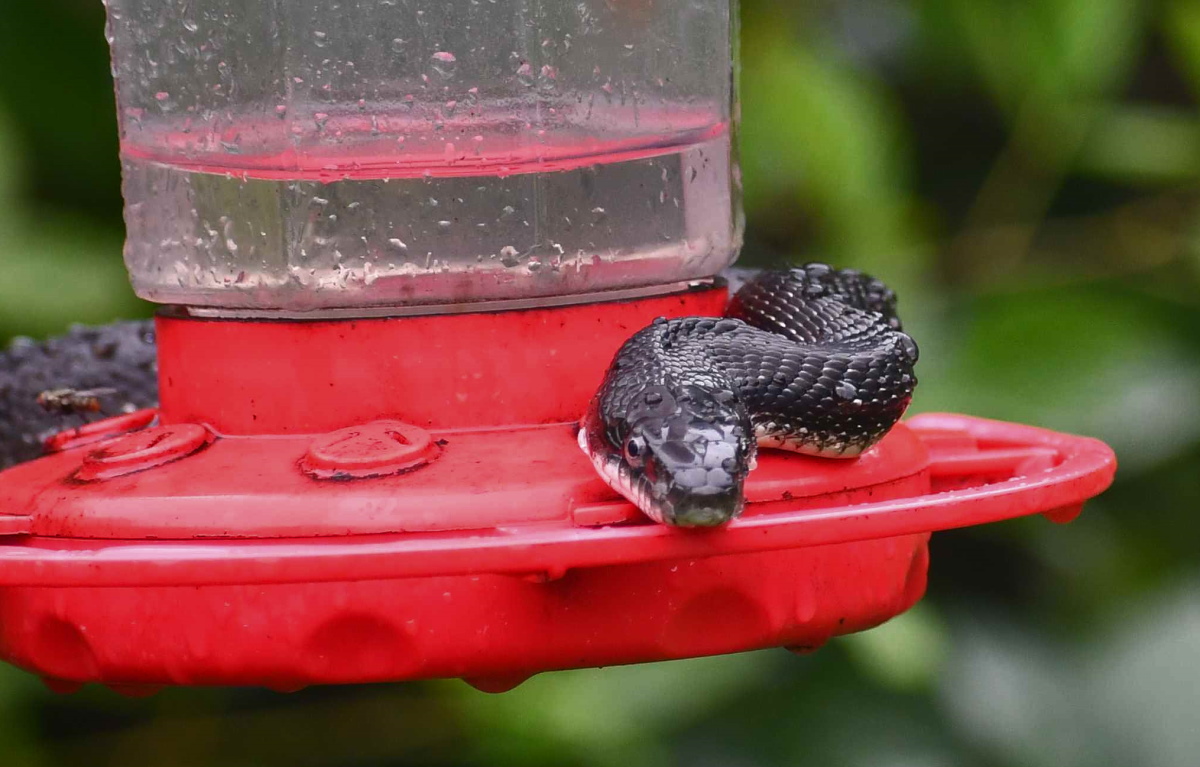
[{"x": 396, "y": 245}]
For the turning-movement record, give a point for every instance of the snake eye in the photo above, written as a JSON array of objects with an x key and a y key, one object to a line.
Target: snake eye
[{"x": 635, "y": 450}]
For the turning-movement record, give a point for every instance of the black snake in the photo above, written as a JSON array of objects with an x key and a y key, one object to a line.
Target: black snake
[{"x": 811, "y": 360}]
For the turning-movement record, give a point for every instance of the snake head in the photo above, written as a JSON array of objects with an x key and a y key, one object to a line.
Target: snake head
[{"x": 681, "y": 453}]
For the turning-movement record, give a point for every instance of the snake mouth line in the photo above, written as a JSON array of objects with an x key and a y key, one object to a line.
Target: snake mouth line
[{"x": 617, "y": 476}]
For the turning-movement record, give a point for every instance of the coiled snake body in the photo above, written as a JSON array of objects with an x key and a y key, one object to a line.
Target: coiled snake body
[{"x": 811, "y": 360}]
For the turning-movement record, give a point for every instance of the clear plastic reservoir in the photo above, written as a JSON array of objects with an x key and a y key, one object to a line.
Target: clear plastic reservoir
[{"x": 305, "y": 154}]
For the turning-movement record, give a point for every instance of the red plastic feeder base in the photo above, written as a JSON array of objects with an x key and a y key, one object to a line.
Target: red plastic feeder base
[{"x": 373, "y": 500}]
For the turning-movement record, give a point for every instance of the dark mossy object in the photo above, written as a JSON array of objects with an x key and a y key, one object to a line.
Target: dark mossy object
[{"x": 120, "y": 356}]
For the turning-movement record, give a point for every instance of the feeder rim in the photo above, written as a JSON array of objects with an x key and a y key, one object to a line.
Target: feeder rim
[
  {"x": 548, "y": 550},
  {"x": 179, "y": 311}
]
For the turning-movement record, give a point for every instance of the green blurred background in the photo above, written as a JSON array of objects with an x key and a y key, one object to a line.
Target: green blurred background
[{"x": 1027, "y": 174}]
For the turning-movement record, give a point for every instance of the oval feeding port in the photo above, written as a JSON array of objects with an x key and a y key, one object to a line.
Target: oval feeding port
[
  {"x": 376, "y": 449},
  {"x": 143, "y": 450},
  {"x": 98, "y": 431}
]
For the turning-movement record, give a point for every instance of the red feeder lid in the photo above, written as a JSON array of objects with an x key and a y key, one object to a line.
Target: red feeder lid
[{"x": 358, "y": 531}]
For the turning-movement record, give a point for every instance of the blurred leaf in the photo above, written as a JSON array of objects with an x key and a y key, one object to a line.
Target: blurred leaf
[
  {"x": 396, "y": 725},
  {"x": 63, "y": 269},
  {"x": 1144, "y": 682},
  {"x": 57, "y": 267},
  {"x": 1045, "y": 49},
  {"x": 18, "y": 736},
  {"x": 1095, "y": 363},
  {"x": 56, "y": 86},
  {"x": 1018, "y": 697},
  {"x": 817, "y": 129},
  {"x": 1181, "y": 26},
  {"x": 612, "y": 716},
  {"x": 905, "y": 653},
  {"x": 1145, "y": 145},
  {"x": 1127, "y": 696},
  {"x": 10, "y": 170},
  {"x": 819, "y": 711}
]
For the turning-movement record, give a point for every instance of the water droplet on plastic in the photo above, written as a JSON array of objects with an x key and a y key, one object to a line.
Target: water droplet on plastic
[
  {"x": 445, "y": 63},
  {"x": 525, "y": 74},
  {"x": 910, "y": 347}
]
